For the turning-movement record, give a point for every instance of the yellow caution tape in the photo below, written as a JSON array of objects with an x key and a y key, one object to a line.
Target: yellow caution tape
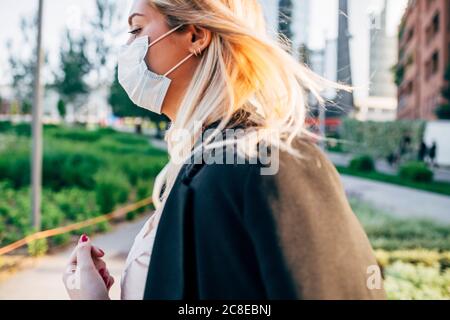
[{"x": 75, "y": 226}]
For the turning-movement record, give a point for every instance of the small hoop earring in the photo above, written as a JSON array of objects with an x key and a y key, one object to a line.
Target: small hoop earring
[{"x": 197, "y": 52}]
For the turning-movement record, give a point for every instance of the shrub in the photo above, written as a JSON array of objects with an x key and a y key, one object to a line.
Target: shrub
[
  {"x": 76, "y": 134},
  {"x": 404, "y": 281},
  {"x": 129, "y": 139},
  {"x": 362, "y": 163},
  {"x": 82, "y": 178},
  {"x": 5, "y": 126},
  {"x": 380, "y": 139},
  {"x": 61, "y": 168},
  {"x": 38, "y": 247},
  {"x": 61, "y": 239},
  {"x": 143, "y": 169},
  {"x": 416, "y": 172},
  {"x": 70, "y": 169},
  {"x": 15, "y": 167},
  {"x": 392, "y": 233},
  {"x": 112, "y": 188}
]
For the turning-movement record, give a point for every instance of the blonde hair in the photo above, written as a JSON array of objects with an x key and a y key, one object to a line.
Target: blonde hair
[{"x": 243, "y": 69}]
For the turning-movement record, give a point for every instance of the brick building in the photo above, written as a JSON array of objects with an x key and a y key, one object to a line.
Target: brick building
[{"x": 424, "y": 52}]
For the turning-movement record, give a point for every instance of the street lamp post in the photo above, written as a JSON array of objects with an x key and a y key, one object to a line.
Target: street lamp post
[{"x": 36, "y": 157}]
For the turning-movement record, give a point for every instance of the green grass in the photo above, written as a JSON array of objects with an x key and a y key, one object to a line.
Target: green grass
[
  {"x": 391, "y": 233},
  {"x": 435, "y": 186}
]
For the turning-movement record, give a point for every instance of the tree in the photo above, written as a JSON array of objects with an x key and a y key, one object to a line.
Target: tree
[
  {"x": 443, "y": 111},
  {"x": 22, "y": 64},
  {"x": 61, "y": 108},
  {"x": 123, "y": 107},
  {"x": 103, "y": 31},
  {"x": 74, "y": 66},
  {"x": 285, "y": 18}
]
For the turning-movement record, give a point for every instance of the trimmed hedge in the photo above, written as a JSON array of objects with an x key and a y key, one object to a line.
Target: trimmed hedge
[
  {"x": 416, "y": 172},
  {"x": 362, "y": 164},
  {"x": 380, "y": 139}
]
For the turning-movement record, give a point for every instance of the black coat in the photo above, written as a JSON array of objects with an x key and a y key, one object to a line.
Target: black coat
[{"x": 228, "y": 232}]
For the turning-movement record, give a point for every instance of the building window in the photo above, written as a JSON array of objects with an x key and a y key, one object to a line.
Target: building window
[
  {"x": 436, "y": 23},
  {"x": 410, "y": 34},
  {"x": 432, "y": 66},
  {"x": 435, "y": 63},
  {"x": 433, "y": 28}
]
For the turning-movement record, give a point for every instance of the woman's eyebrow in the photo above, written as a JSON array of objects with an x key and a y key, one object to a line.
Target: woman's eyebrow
[{"x": 130, "y": 18}]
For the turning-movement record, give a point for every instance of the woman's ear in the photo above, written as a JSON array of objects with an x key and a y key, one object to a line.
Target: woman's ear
[{"x": 200, "y": 39}]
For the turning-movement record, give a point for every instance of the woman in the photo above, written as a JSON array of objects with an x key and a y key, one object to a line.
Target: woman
[{"x": 272, "y": 223}]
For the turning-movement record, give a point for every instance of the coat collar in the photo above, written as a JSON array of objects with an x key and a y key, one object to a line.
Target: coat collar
[{"x": 240, "y": 120}]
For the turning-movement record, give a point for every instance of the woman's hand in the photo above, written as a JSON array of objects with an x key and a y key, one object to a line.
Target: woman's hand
[{"x": 86, "y": 276}]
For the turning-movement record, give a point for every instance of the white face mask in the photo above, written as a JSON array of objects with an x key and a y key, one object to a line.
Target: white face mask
[{"x": 145, "y": 88}]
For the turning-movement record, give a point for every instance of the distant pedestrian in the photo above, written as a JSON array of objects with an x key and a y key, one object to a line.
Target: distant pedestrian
[
  {"x": 392, "y": 159},
  {"x": 432, "y": 154},
  {"x": 423, "y": 150},
  {"x": 404, "y": 147}
]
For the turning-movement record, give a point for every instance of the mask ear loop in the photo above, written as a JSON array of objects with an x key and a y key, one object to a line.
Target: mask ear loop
[
  {"x": 162, "y": 37},
  {"x": 178, "y": 64},
  {"x": 165, "y": 35}
]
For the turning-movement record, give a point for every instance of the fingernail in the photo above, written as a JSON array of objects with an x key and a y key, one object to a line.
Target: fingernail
[
  {"x": 101, "y": 251},
  {"x": 84, "y": 238}
]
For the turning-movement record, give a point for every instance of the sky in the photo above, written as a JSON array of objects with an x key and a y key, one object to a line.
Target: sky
[{"x": 73, "y": 14}]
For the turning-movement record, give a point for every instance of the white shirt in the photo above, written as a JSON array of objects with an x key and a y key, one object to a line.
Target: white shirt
[{"x": 134, "y": 276}]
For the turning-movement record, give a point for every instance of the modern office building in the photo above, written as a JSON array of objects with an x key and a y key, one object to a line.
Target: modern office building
[
  {"x": 383, "y": 56},
  {"x": 381, "y": 103},
  {"x": 344, "y": 100},
  {"x": 299, "y": 24},
  {"x": 424, "y": 46}
]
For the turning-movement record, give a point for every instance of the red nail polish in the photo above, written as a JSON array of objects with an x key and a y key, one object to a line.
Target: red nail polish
[{"x": 84, "y": 238}]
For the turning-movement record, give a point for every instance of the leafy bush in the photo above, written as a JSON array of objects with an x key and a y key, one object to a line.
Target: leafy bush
[
  {"x": 111, "y": 189},
  {"x": 416, "y": 172},
  {"x": 85, "y": 174},
  {"x": 363, "y": 163},
  {"x": 76, "y": 134},
  {"x": 140, "y": 168},
  {"x": 64, "y": 168},
  {"x": 15, "y": 167},
  {"x": 61, "y": 168},
  {"x": 415, "y": 274},
  {"x": 22, "y": 129},
  {"x": 391, "y": 233},
  {"x": 38, "y": 247},
  {"x": 413, "y": 254},
  {"x": 404, "y": 281}
]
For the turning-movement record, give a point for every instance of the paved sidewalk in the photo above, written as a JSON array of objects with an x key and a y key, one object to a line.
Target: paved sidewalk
[
  {"x": 43, "y": 281},
  {"x": 342, "y": 159},
  {"x": 400, "y": 201}
]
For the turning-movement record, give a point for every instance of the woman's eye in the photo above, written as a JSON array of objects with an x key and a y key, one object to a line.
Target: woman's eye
[{"x": 135, "y": 31}]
